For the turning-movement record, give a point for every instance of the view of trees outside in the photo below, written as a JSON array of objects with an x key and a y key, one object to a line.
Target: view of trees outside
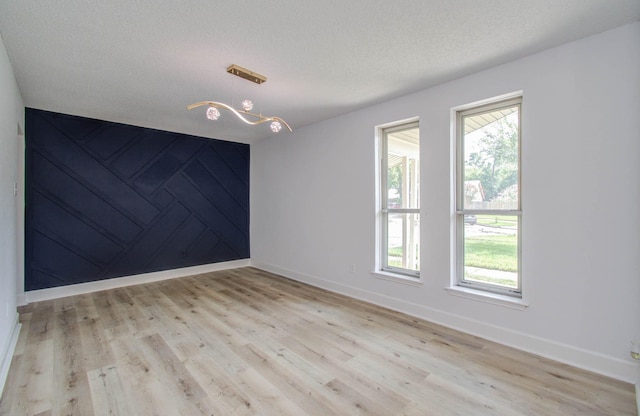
[
  {"x": 394, "y": 185},
  {"x": 490, "y": 172},
  {"x": 491, "y": 157}
]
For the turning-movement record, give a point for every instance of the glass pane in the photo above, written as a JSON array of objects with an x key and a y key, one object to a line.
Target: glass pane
[
  {"x": 490, "y": 169},
  {"x": 491, "y": 249},
  {"x": 403, "y": 241},
  {"x": 403, "y": 169}
]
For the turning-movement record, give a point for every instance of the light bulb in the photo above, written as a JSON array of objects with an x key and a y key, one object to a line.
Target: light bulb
[
  {"x": 247, "y": 105},
  {"x": 213, "y": 113},
  {"x": 276, "y": 126}
]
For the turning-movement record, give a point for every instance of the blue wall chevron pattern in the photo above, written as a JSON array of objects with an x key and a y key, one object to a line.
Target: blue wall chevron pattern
[{"x": 104, "y": 200}]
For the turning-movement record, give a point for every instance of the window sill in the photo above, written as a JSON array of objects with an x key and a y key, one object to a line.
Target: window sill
[
  {"x": 487, "y": 297},
  {"x": 398, "y": 278}
]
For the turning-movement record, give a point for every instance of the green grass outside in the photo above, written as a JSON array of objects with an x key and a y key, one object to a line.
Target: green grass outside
[{"x": 495, "y": 252}]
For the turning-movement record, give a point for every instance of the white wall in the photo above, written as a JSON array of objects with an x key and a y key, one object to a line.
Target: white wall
[
  {"x": 11, "y": 122},
  {"x": 312, "y": 203}
]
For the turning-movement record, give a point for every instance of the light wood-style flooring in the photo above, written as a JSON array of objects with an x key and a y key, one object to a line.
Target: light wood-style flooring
[{"x": 247, "y": 342}]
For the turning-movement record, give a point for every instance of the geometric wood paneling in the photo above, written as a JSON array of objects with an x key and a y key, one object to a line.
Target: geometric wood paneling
[{"x": 105, "y": 200}]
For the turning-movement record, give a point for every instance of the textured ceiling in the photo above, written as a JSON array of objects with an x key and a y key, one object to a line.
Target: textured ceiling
[{"x": 142, "y": 62}]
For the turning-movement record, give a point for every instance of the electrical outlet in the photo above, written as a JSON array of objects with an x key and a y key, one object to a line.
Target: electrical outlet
[
  {"x": 353, "y": 268},
  {"x": 635, "y": 349},
  {"x": 15, "y": 189}
]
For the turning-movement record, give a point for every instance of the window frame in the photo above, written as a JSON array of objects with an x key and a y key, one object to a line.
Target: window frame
[
  {"x": 458, "y": 278},
  {"x": 382, "y": 265}
]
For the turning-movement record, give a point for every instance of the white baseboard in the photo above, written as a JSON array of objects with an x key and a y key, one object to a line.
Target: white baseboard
[
  {"x": 587, "y": 360},
  {"x": 90, "y": 287},
  {"x": 7, "y": 355}
]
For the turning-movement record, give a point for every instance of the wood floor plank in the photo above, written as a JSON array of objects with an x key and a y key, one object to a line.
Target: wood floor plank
[
  {"x": 71, "y": 385},
  {"x": 190, "y": 396},
  {"x": 289, "y": 360},
  {"x": 107, "y": 392},
  {"x": 246, "y": 342},
  {"x": 85, "y": 307},
  {"x": 266, "y": 398},
  {"x": 11, "y": 387},
  {"x": 222, "y": 388},
  {"x": 361, "y": 401},
  {"x": 41, "y": 322},
  {"x": 95, "y": 351},
  {"x": 288, "y": 384},
  {"x": 145, "y": 391},
  {"x": 34, "y": 393}
]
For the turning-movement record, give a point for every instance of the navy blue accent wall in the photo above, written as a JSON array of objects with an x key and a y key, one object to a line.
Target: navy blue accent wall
[{"x": 105, "y": 200}]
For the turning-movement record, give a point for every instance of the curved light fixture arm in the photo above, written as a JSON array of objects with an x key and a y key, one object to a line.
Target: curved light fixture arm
[{"x": 260, "y": 118}]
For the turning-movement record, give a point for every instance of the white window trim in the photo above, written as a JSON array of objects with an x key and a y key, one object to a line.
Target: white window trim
[
  {"x": 480, "y": 292},
  {"x": 400, "y": 276},
  {"x": 488, "y": 297}
]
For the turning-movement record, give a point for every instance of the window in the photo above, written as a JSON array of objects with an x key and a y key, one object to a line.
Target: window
[
  {"x": 399, "y": 229},
  {"x": 488, "y": 194}
]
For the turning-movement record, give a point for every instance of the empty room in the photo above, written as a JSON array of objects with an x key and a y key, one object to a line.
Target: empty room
[{"x": 320, "y": 207}]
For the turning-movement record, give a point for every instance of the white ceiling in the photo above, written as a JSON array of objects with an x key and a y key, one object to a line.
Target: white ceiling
[{"x": 142, "y": 62}]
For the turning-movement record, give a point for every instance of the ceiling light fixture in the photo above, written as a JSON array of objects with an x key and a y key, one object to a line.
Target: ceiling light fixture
[{"x": 247, "y": 105}]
